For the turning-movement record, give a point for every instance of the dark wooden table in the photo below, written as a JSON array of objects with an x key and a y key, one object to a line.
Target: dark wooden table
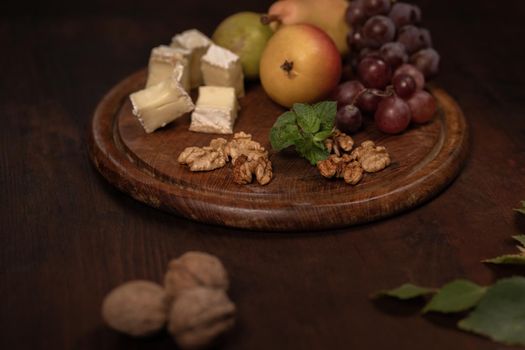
[{"x": 67, "y": 237}]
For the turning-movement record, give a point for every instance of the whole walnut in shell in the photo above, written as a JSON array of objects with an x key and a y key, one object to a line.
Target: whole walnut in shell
[
  {"x": 195, "y": 269},
  {"x": 137, "y": 308},
  {"x": 199, "y": 315}
]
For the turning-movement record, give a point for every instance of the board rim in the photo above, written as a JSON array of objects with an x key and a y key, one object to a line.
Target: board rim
[{"x": 109, "y": 158}]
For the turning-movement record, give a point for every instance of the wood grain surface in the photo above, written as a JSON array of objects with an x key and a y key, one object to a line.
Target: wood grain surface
[
  {"x": 424, "y": 160},
  {"x": 67, "y": 236}
]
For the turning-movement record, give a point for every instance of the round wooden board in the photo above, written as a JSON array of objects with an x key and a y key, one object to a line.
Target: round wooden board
[{"x": 424, "y": 160}]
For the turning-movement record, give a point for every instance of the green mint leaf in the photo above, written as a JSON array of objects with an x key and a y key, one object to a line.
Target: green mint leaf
[
  {"x": 326, "y": 111},
  {"x": 284, "y": 136},
  {"x": 319, "y": 144},
  {"x": 520, "y": 238},
  {"x": 322, "y": 135},
  {"x": 307, "y": 118},
  {"x": 509, "y": 259},
  {"x": 315, "y": 155},
  {"x": 456, "y": 296},
  {"x": 522, "y": 209},
  {"x": 405, "y": 292},
  {"x": 308, "y": 149},
  {"x": 286, "y": 118},
  {"x": 500, "y": 314}
]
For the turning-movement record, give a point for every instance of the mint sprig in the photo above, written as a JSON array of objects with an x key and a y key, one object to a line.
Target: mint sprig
[{"x": 305, "y": 127}]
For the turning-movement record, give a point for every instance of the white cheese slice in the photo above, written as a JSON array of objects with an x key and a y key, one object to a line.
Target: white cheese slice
[
  {"x": 221, "y": 67},
  {"x": 198, "y": 44},
  {"x": 163, "y": 60},
  {"x": 216, "y": 110},
  {"x": 161, "y": 104}
]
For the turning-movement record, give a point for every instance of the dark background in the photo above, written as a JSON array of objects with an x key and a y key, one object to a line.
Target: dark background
[{"x": 67, "y": 237}]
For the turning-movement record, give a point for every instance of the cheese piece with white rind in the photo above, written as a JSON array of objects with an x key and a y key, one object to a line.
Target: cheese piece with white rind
[
  {"x": 221, "y": 67},
  {"x": 198, "y": 44},
  {"x": 163, "y": 60},
  {"x": 215, "y": 111},
  {"x": 161, "y": 104}
]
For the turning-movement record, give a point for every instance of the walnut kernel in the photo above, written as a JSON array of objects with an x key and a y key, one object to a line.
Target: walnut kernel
[
  {"x": 353, "y": 173},
  {"x": 371, "y": 157},
  {"x": 244, "y": 169},
  {"x": 242, "y": 144},
  {"x": 343, "y": 141},
  {"x": 137, "y": 308},
  {"x": 205, "y": 158}
]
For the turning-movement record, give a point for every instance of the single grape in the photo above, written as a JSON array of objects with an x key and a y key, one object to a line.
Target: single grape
[
  {"x": 367, "y": 52},
  {"x": 423, "y": 107},
  {"x": 374, "y": 73},
  {"x": 376, "y": 7},
  {"x": 348, "y": 119},
  {"x": 379, "y": 30},
  {"x": 427, "y": 61},
  {"x": 393, "y": 115},
  {"x": 355, "y": 13},
  {"x": 394, "y": 54},
  {"x": 427, "y": 38},
  {"x": 356, "y": 40},
  {"x": 404, "y": 85},
  {"x": 415, "y": 73},
  {"x": 346, "y": 92},
  {"x": 403, "y": 14},
  {"x": 412, "y": 38},
  {"x": 369, "y": 100}
]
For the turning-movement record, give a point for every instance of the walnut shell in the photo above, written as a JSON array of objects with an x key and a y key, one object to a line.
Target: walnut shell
[
  {"x": 195, "y": 269},
  {"x": 199, "y": 315},
  {"x": 137, "y": 308}
]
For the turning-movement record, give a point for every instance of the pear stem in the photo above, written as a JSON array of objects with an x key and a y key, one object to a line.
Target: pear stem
[{"x": 267, "y": 19}]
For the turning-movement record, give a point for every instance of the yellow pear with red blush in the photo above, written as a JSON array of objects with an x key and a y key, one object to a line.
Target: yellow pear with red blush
[
  {"x": 300, "y": 64},
  {"x": 329, "y": 15}
]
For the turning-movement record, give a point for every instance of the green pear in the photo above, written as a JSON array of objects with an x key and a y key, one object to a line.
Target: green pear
[{"x": 245, "y": 35}]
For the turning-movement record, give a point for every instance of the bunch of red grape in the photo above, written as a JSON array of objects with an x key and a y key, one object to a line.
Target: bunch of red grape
[{"x": 392, "y": 57}]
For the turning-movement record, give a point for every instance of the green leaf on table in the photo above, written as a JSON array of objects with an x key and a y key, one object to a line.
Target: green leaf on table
[
  {"x": 405, "y": 292},
  {"x": 520, "y": 238},
  {"x": 500, "y": 315},
  {"x": 522, "y": 209},
  {"x": 307, "y": 118},
  {"x": 509, "y": 259},
  {"x": 456, "y": 296},
  {"x": 326, "y": 111}
]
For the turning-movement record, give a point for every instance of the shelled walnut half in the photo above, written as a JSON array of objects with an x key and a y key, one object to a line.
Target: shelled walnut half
[
  {"x": 205, "y": 158},
  {"x": 371, "y": 157}
]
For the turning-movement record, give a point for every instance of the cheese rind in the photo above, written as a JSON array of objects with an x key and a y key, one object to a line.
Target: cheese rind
[
  {"x": 221, "y": 67},
  {"x": 163, "y": 60},
  {"x": 216, "y": 110},
  {"x": 197, "y": 43},
  {"x": 161, "y": 104}
]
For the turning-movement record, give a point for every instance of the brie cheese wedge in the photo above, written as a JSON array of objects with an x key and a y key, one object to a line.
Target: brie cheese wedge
[
  {"x": 161, "y": 104},
  {"x": 221, "y": 67},
  {"x": 163, "y": 60},
  {"x": 197, "y": 43},
  {"x": 216, "y": 110}
]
